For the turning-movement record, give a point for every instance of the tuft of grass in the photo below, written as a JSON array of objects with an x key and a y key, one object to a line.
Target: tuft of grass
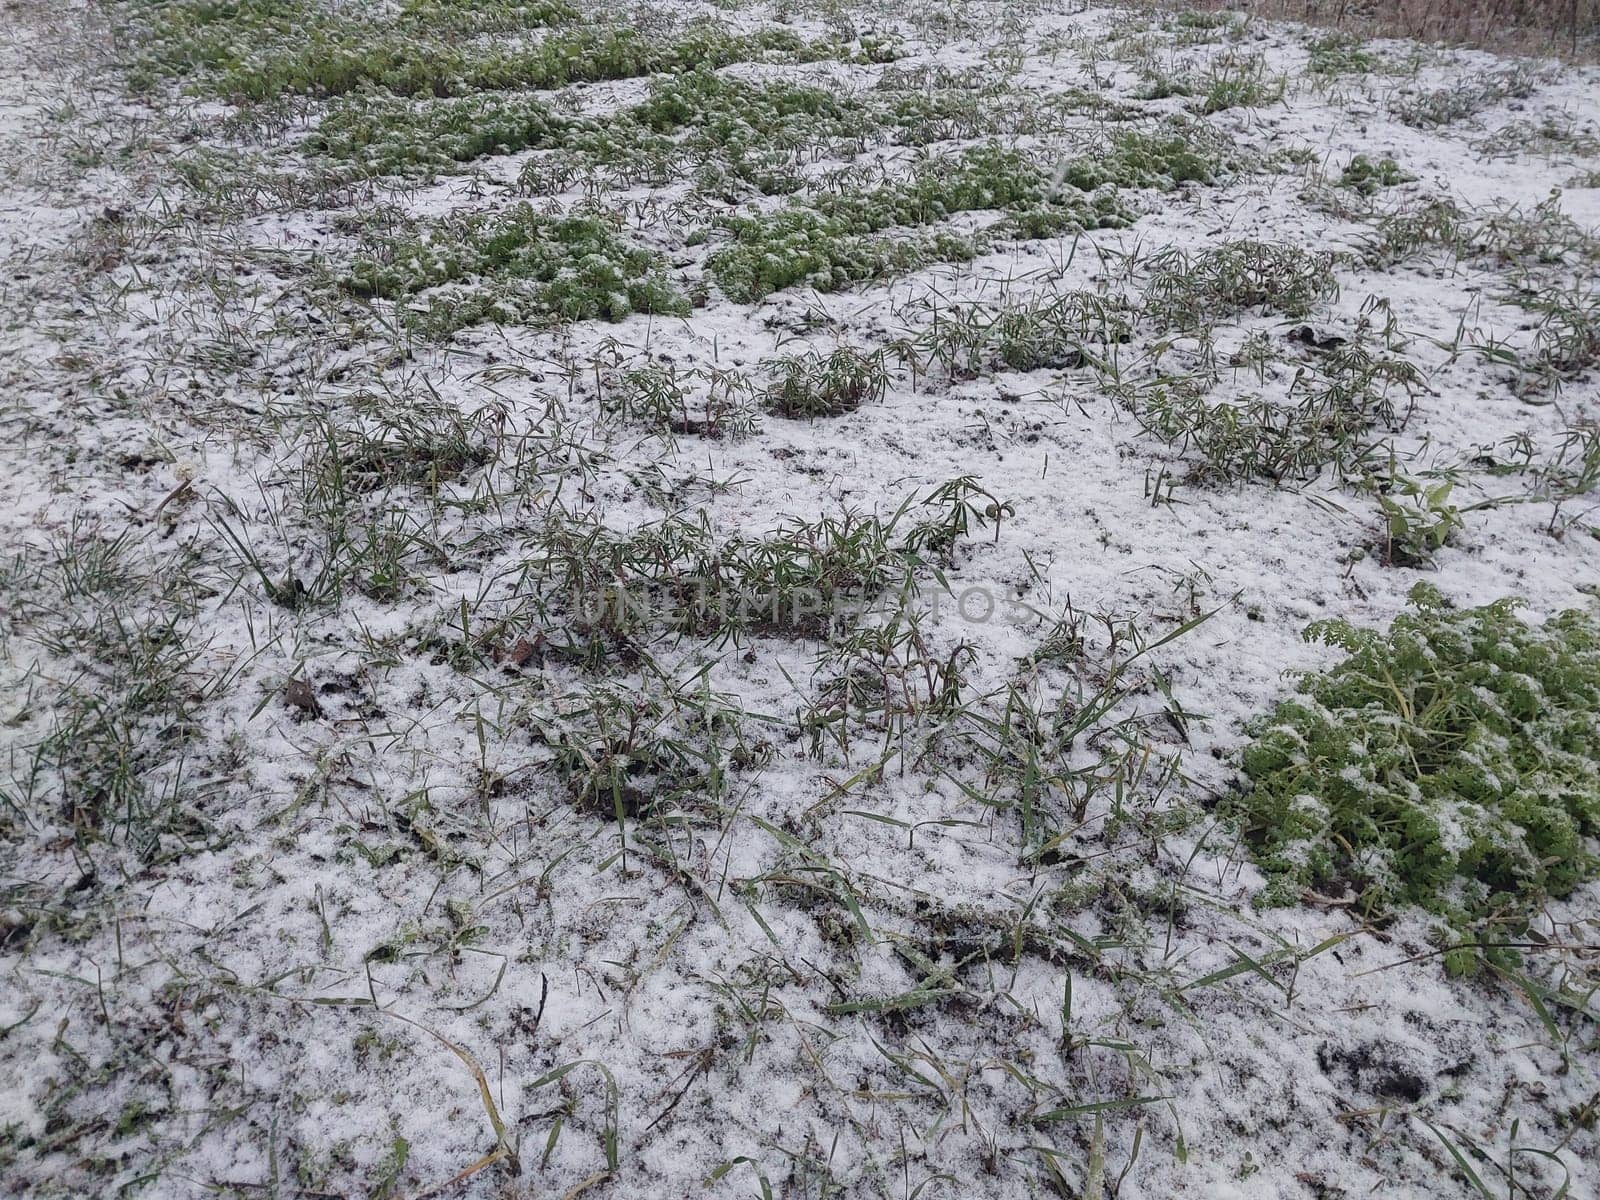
[
  {"x": 1465, "y": 98},
  {"x": 633, "y": 750},
  {"x": 812, "y": 385},
  {"x": 1567, "y": 341},
  {"x": 1235, "y": 80},
  {"x": 1336, "y": 54},
  {"x": 705, "y": 403},
  {"x": 1057, "y": 330},
  {"x": 1452, "y": 763},
  {"x": 113, "y": 727},
  {"x": 1327, "y": 421},
  {"x": 1186, "y": 291}
]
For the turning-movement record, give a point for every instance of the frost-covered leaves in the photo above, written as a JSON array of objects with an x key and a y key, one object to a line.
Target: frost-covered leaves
[
  {"x": 838, "y": 238},
  {"x": 1452, "y": 763},
  {"x": 517, "y": 266}
]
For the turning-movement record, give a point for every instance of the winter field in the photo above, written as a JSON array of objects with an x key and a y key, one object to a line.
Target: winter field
[{"x": 903, "y": 598}]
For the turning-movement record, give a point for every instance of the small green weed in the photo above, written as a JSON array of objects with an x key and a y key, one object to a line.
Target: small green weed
[{"x": 1367, "y": 176}]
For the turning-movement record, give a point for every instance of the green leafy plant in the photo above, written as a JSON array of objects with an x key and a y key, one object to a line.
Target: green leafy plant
[
  {"x": 1418, "y": 519},
  {"x": 1452, "y": 763},
  {"x": 1367, "y": 176}
]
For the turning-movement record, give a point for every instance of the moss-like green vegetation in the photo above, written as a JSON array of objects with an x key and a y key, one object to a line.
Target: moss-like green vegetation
[
  {"x": 1172, "y": 154},
  {"x": 800, "y": 246},
  {"x": 514, "y": 267},
  {"x": 1368, "y": 176},
  {"x": 726, "y": 134},
  {"x": 831, "y": 241},
  {"x": 258, "y": 50},
  {"x": 751, "y": 132},
  {"x": 1453, "y": 763},
  {"x": 390, "y": 135}
]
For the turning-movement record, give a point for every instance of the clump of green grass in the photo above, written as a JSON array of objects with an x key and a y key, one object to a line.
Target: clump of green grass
[
  {"x": 1057, "y": 330},
  {"x": 800, "y": 579},
  {"x": 1231, "y": 79},
  {"x": 1334, "y": 54},
  {"x": 803, "y": 578},
  {"x": 101, "y": 743},
  {"x": 1548, "y": 136},
  {"x": 1567, "y": 342},
  {"x": 1327, "y": 419},
  {"x": 812, "y": 385},
  {"x": 1236, "y": 81},
  {"x": 1414, "y": 226},
  {"x": 1465, "y": 98},
  {"x": 633, "y": 751},
  {"x": 1452, "y": 763},
  {"x": 1543, "y": 235},
  {"x": 1186, "y": 291},
  {"x": 517, "y": 266},
  {"x": 705, "y": 402}
]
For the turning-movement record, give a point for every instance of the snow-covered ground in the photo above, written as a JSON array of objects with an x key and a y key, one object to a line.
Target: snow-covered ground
[{"x": 300, "y": 896}]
